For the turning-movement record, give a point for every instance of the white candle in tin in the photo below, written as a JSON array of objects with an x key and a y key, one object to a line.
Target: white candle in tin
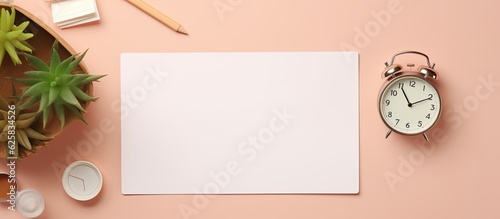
[{"x": 30, "y": 203}]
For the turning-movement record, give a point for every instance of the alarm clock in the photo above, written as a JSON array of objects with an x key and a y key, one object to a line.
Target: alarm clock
[{"x": 409, "y": 102}]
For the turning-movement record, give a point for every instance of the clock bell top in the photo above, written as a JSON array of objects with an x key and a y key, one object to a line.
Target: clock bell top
[{"x": 392, "y": 69}]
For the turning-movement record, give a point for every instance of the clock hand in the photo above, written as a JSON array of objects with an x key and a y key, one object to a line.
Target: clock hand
[
  {"x": 83, "y": 181},
  {"x": 404, "y": 93},
  {"x": 430, "y": 98}
]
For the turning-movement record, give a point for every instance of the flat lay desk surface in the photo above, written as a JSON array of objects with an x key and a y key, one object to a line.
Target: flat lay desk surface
[{"x": 456, "y": 177}]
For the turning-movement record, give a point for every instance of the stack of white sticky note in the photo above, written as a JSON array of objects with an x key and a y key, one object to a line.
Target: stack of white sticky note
[{"x": 70, "y": 13}]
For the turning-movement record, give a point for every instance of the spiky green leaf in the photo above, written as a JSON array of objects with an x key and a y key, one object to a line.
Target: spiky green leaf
[
  {"x": 77, "y": 79},
  {"x": 59, "y": 110},
  {"x": 62, "y": 68},
  {"x": 54, "y": 93},
  {"x": 12, "y": 17},
  {"x": 4, "y": 23},
  {"x": 55, "y": 44},
  {"x": 65, "y": 79},
  {"x": 32, "y": 100},
  {"x": 68, "y": 97},
  {"x": 37, "y": 63},
  {"x": 27, "y": 81},
  {"x": 13, "y": 34},
  {"x": 81, "y": 95},
  {"x": 21, "y": 26},
  {"x": 45, "y": 115},
  {"x": 77, "y": 61},
  {"x": 20, "y": 46},
  {"x": 76, "y": 112},
  {"x": 44, "y": 102},
  {"x": 36, "y": 135},
  {"x": 11, "y": 50},
  {"x": 55, "y": 60},
  {"x": 43, "y": 75},
  {"x": 25, "y": 120},
  {"x": 28, "y": 45},
  {"x": 89, "y": 79},
  {"x": 36, "y": 89},
  {"x": 25, "y": 36},
  {"x": 23, "y": 139}
]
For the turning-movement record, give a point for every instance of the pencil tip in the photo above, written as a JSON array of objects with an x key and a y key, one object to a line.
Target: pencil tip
[{"x": 182, "y": 30}]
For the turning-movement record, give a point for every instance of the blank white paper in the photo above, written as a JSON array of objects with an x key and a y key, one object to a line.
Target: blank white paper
[{"x": 240, "y": 123}]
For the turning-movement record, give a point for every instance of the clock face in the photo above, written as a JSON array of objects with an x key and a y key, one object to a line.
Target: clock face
[
  {"x": 82, "y": 180},
  {"x": 410, "y": 105}
]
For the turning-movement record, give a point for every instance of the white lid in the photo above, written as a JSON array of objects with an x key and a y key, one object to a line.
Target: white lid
[{"x": 30, "y": 203}]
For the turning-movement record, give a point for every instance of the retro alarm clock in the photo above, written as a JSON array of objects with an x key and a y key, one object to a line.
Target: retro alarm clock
[{"x": 409, "y": 102}]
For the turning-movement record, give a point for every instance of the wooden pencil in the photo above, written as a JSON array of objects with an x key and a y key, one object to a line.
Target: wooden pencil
[{"x": 153, "y": 12}]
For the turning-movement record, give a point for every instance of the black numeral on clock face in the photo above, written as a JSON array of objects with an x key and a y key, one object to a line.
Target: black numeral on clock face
[
  {"x": 412, "y": 83},
  {"x": 419, "y": 124},
  {"x": 389, "y": 114},
  {"x": 428, "y": 116},
  {"x": 387, "y": 102},
  {"x": 394, "y": 92}
]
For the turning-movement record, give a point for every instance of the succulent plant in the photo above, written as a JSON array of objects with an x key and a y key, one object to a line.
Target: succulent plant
[
  {"x": 55, "y": 86},
  {"x": 23, "y": 122},
  {"x": 12, "y": 37}
]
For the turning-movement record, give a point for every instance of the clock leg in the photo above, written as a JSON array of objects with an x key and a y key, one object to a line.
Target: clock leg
[
  {"x": 388, "y": 133},
  {"x": 425, "y": 136}
]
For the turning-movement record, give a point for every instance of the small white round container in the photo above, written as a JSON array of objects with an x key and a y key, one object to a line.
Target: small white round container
[{"x": 30, "y": 203}]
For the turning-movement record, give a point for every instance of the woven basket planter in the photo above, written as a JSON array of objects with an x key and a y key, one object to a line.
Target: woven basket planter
[{"x": 42, "y": 41}]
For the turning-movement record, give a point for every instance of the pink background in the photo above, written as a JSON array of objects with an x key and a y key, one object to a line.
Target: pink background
[{"x": 458, "y": 179}]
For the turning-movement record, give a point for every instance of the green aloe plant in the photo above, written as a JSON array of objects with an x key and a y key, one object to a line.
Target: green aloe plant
[
  {"x": 12, "y": 37},
  {"x": 55, "y": 86}
]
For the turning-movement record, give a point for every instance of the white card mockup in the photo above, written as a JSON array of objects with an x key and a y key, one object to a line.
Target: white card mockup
[
  {"x": 70, "y": 13},
  {"x": 240, "y": 123}
]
